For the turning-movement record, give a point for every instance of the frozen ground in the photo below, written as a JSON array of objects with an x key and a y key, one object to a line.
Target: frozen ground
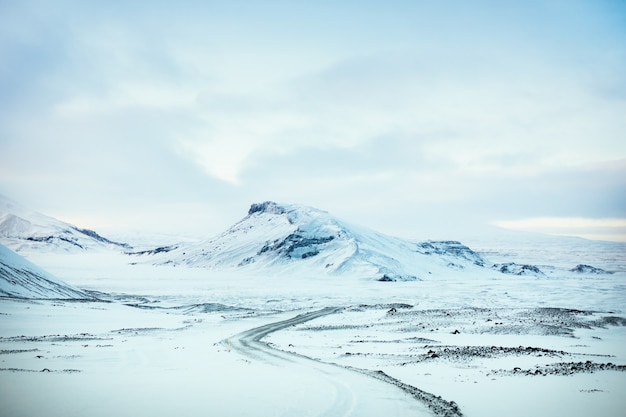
[{"x": 179, "y": 341}]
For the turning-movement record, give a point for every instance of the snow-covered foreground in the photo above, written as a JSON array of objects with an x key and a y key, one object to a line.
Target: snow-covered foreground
[
  {"x": 181, "y": 341},
  {"x": 87, "y": 359},
  {"x": 491, "y": 362}
]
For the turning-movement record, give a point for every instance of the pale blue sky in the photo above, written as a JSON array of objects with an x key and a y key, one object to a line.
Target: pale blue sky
[{"x": 414, "y": 118}]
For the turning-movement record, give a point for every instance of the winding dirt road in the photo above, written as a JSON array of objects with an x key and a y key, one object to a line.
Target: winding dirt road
[{"x": 358, "y": 392}]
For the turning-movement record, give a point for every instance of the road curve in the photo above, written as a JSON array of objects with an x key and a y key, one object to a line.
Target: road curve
[
  {"x": 348, "y": 401},
  {"x": 249, "y": 342}
]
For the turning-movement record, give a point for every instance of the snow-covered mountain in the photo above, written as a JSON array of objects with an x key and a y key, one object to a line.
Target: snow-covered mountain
[
  {"x": 23, "y": 229},
  {"x": 286, "y": 238},
  {"x": 20, "y": 278}
]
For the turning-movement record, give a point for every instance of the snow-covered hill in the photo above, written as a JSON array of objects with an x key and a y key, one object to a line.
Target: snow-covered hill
[
  {"x": 293, "y": 239},
  {"x": 22, "y": 229},
  {"x": 22, "y": 279}
]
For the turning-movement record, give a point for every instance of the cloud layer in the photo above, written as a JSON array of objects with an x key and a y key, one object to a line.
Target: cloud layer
[{"x": 407, "y": 116}]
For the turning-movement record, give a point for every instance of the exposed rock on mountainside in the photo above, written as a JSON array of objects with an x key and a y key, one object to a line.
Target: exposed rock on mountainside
[
  {"x": 266, "y": 207},
  {"x": 451, "y": 248},
  {"x": 160, "y": 249},
  {"x": 296, "y": 245},
  {"x": 588, "y": 269}
]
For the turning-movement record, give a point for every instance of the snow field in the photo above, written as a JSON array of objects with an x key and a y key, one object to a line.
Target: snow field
[
  {"x": 482, "y": 367},
  {"x": 159, "y": 346},
  {"x": 102, "y": 359}
]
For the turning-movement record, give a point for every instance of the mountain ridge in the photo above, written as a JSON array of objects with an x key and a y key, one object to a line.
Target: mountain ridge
[
  {"x": 299, "y": 240},
  {"x": 288, "y": 238},
  {"x": 23, "y": 229}
]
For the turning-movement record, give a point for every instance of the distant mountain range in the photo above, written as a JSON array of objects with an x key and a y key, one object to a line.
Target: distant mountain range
[
  {"x": 21, "y": 228},
  {"x": 273, "y": 239},
  {"x": 293, "y": 239}
]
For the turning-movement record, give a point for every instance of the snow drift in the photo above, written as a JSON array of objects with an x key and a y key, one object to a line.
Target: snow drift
[{"x": 19, "y": 278}]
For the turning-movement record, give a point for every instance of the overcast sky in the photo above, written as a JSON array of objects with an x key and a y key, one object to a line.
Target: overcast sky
[{"x": 414, "y": 118}]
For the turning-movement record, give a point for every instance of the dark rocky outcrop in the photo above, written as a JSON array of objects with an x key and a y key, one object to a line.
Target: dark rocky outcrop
[
  {"x": 266, "y": 207},
  {"x": 518, "y": 269},
  {"x": 160, "y": 249},
  {"x": 588, "y": 269},
  {"x": 92, "y": 234},
  {"x": 450, "y": 248},
  {"x": 296, "y": 245},
  {"x": 389, "y": 277}
]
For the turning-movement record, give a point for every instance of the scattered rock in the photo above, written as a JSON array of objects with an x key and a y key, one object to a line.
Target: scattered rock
[
  {"x": 517, "y": 269},
  {"x": 464, "y": 353},
  {"x": 563, "y": 368},
  {"x": 388, "y": 277}
]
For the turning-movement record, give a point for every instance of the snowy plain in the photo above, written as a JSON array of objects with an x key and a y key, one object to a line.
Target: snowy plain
[{"x": 172, "y": 339}]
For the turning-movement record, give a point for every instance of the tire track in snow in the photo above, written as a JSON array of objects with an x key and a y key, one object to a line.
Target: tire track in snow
[{"x": 250, "y": 344}]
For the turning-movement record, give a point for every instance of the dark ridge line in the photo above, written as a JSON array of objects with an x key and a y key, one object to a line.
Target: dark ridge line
[{"x": 435, "y": 403}]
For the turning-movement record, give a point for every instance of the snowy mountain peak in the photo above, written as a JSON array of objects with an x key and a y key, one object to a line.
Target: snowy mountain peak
[
  {"x": 291, "y": 238},
  {"x": 294, "y": 213},
  {"x": 266, "y": 207},
  {"x": 12, "y": 225}
]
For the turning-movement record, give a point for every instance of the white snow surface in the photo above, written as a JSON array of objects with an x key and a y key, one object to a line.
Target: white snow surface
[
  {"x": 282, "y": 336},
  {"x": 22, "y": 279}
]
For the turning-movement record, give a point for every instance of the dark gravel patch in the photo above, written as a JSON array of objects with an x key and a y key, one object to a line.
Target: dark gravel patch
[
  {"x": 45, "y": 370},
  {"x": 561, "y": 368},
  {"x": 438, "y": 405},
  {"x": 54, "y": 338},
  {"x": 13, "y": 351},
  {"x": 459, "y": 353}
]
